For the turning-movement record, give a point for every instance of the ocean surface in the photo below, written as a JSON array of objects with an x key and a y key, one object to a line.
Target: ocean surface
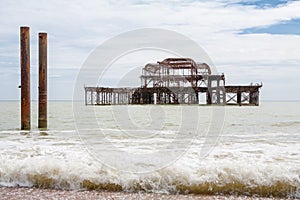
[{"x": 163, "y": 149}]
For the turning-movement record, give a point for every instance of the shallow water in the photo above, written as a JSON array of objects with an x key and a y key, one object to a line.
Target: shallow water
[{"x": 163, "y": 149}]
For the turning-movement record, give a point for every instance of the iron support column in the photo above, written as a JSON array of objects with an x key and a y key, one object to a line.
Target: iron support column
[
  {"x": 25, "y": 77},
  {"x": 42, "y": 121}
]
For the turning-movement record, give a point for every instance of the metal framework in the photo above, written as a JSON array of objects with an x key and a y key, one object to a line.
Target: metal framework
[
  {"x": 175, "y": 72},
  {"x": 176, "y": 81}
]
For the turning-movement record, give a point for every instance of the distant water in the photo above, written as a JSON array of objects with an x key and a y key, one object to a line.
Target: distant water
[{"x": 257, "y": 153}]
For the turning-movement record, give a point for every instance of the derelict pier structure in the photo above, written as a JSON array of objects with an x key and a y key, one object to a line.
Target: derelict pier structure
[{"x": 176, "y": 81}]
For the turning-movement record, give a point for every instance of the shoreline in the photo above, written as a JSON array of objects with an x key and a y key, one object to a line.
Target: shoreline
[{"x": 15, "y": 193}]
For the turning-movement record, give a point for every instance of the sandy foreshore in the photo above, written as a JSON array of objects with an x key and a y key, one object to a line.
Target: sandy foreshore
[{"x": 7, "y": 193}]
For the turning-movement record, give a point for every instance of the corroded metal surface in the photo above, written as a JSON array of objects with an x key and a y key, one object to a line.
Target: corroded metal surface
[
  {"x": 42, "y": 109},
  {"x": 25, "y": 77}
]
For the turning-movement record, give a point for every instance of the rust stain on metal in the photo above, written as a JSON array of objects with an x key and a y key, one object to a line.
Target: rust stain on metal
[
  {"x": 25, "y": 77},
  {"x": 176, "y": 81},
  {"x": 42, "y": 109}
]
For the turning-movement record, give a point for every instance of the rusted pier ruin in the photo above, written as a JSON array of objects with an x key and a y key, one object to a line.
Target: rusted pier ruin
[{"x": 176, "y": 81}]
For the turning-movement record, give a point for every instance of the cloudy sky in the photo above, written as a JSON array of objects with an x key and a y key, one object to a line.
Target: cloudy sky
[{"x": 248, "y": 40}]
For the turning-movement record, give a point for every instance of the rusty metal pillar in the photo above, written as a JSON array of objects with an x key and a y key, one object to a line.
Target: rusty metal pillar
[
  {"x": 239, "y": 97},
  {"x": 218, "y": 90},
  {"x": 209, "y": 91},
  {"x": 42, "y": 122},
  {"x": 251, "y": 97},
  {"x": 25, "y": 77}
]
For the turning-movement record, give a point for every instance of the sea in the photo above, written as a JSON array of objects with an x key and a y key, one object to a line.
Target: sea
[{"x": 168, "y": 149}]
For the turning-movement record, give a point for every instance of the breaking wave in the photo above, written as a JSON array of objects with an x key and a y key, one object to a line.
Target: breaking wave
[
  {"x": 277, "y": 189},
  {"x": 57, "y": 174}
]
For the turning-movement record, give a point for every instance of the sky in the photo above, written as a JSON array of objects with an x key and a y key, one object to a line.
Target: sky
[{"x": 248, "y": 40}]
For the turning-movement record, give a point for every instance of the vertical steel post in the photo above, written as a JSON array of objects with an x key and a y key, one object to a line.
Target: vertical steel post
[
  {"x": 239, "y": 97},
  {"x": 85, "y": 96},
  {"x": 209, "y": 91},
  {"x": 25, "y": 77},
  {"x": 42, "y": 119}
]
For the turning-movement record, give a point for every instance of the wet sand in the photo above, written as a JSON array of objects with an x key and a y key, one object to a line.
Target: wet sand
[{"x": 7, "y": 193}]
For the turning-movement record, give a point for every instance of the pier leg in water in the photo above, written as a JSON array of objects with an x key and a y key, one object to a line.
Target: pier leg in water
[
  {"x": 42, "y": 122},
  {"x": 25, "y": 77}
]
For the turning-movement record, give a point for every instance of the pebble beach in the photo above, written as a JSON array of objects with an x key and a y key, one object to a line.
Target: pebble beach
[{"x": 12, "y": 193}]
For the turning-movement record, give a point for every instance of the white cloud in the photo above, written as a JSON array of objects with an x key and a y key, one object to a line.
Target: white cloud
[{"x": 77, "y": 27}]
